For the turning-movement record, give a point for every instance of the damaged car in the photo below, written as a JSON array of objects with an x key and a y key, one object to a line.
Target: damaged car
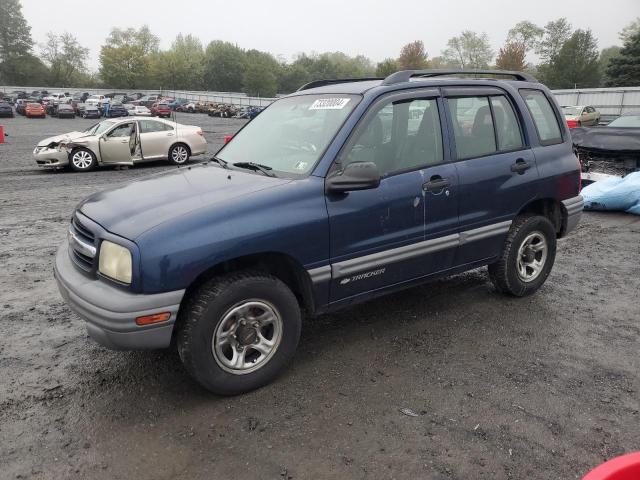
[
  {"x": 122, "y": 142},
  {"x": 613, "y": 149}
]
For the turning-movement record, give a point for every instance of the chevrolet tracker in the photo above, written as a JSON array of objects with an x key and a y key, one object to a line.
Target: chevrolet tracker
[{"x": 338, "y": 193}]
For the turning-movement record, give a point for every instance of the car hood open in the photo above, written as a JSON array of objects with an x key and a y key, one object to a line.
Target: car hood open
[
  {"x": 133, "y": 208},
  {"x": 613, "y": 139}
]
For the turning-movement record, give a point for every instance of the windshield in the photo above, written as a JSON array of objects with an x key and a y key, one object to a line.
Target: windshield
[
  {"x": 572, "y": 110},
  {"x": 292, "y": 133},
  {"x": 100, "y": 128},
  {"x": 626, "y": 121}
]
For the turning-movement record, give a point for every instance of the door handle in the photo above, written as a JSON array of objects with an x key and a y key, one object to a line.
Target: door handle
[
  {"x": 169, "y": 134},
  {"x": 520, "y": 166},
  {"x": 435, "y": 184},
  {"x": 124, "y": 141}
]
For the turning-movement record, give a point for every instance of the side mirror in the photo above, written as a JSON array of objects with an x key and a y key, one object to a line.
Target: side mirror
[{"x": 355, "y": 176}]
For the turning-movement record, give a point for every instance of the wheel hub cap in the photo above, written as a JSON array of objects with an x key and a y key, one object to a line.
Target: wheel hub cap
[
  {"x": 532, "y": 256},
  {"x": 247, "y": 337}
]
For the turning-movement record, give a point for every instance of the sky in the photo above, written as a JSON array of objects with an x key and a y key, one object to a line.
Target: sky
[{"x": 285, "y": 27}]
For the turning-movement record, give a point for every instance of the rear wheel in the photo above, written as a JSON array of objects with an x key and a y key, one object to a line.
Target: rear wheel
[
  {"x": 179, "y": 154},
  {"x": 527, "y": 257},
  {"x": 238, "y": 331},
  {"x": 82, "y": 160}
]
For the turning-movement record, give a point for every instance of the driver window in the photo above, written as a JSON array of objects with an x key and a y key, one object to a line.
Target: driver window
[
  {"x": 124, "y": 130},
  {"x": 402, "y": 136}
]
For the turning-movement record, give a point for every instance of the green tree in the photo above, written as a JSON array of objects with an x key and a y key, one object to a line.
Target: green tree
[
  {"x": 526, "y": 34},
  {"x": 630, "y": 30},
  {"x": 292, "y": 77},
  {"x": 469, "y": 50},
  {"x": 15, "y": 42},
  {"x": 224, "y": 67},
  {"x": 125, "y": 57},
  {"x": 511, "y": 56},
  {"x": 25, "y": 70},
  {"x": 181, "y": 67},
  {"x": 65, "y": 57},
  {"x": 556, "y": 33},
  {"x": 606, "y": 54},
  {"x": 624, "y": 69},
  {"x": 576, "y": 64},
  {"x": 261, "y": 74},
  {"x": 386, "y": 67},
  {"x": 413, "y": 56}
]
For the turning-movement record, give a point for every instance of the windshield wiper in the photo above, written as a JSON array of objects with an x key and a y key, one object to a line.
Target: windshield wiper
[
  {"x": 256, "y": 167},
  {"x": 219, "y": 161}
]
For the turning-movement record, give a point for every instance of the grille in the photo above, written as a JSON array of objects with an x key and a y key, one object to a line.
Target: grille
[{"x": 83, "y": 235}]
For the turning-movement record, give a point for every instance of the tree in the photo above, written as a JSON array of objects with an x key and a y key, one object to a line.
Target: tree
[
  {"x": 630, "y": 30},
  {"x": 261, "y": 74},
  {"x": 181, "y": 67},
  {"x": 125, "y": 58},
  {"x": 224, "y": 67},
  {"x": 292, "y": 77},
  {"x": 15, "y": 41},
  {"x": 526, "y": 34},
  {"x": 605, "y": 58},
  {"x": 511, "y": 56},
  {"x": 469, "y": 50},
  {"x": 412, "y": 56},
  {"x": 386, "y": 67},
  {"x": 556, "y": 33},
  {"x": 624, "y": 70},
  {"x": 576, "y": 64},
  {"x": 65, "y": 57}
]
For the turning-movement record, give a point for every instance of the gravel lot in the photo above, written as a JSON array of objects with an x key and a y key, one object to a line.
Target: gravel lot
[{"x": 544, "y": 387}]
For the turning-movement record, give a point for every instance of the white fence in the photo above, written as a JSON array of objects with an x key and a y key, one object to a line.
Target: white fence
[{"x": 611, "y": 102}]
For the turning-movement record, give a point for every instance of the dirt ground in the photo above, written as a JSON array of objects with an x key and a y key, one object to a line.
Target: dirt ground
[{"x": 544, "y": 387}]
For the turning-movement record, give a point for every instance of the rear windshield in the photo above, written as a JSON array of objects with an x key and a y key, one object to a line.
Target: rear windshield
[
  {"x": 291, "y": 134},
  {"x": 571, "y": 110},
  {"x": 626, "y": 121}
]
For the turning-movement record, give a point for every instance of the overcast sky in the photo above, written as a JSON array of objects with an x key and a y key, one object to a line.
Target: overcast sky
[{"x": 286, "y": 27}]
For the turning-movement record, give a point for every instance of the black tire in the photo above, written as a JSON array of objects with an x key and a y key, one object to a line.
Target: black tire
[
  {"x": 208, "y": 306},
  {"x": 77, "y": 165},
  {"x": 179, "y": 154},
  {"x": 504, "y": 273}
]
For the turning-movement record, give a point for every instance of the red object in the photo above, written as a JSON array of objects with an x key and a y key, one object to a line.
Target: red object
[
  {"x": 227, "y": 138},
  {"x": 572, "y": 123},
  {"x": 1, "y": 134},
  {"x": 161, "y": 110},
  {"x": 626, "y": 467}
]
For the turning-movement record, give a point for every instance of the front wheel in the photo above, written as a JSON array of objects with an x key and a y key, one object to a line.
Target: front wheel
[
  {"x": 82, "y": 160},
  {"x": 527, "y": 257},
  {"x": 179, "y": 154},
  {"x": 237, "y": 332}
]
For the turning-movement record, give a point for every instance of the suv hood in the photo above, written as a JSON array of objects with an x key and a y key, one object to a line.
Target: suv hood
[
  {"x": 133, "y": 208},
  {"x": 59, "y": 138}
]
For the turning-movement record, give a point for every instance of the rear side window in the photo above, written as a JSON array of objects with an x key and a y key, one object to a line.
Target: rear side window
[
  {"x": 506, "y": 123},
  {"x": 472, "y": 126},
  {"x": 543, "y": 116}
]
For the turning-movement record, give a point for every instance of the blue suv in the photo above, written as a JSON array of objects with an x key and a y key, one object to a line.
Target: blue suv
[{"x": 343, "y": 191}]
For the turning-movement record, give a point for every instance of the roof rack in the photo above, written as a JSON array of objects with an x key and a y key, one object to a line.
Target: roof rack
[
  {"x": 406, "y": 75},
  {"x": 322, "y": 83}
]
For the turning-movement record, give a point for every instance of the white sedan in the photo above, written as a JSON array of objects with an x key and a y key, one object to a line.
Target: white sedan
[
  {"x": 123, "y": 141},
  {"x": 140, "y": 111}
]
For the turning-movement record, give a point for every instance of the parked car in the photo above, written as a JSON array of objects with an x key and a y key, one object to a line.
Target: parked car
[
  {"x": 94, "y": 99},
  {"x": 124, "y": 141},
  {"x": 20, "y": 104},
  {"x": 65, "y": 111},
  {"x": 161, "y": 110},
  {"x": 89, "y": 111},
  {"x": 116, "y": 109},
  {"x": 313, "y": 206},
  {"x": 129, "y": 107},
  {"x": 5, "y": 109},
  {"x": 34, "y": 110},
  {"x": 613, "y": 149},
  {"x": 140, "y": 111},
  {"x": 580, "y": 116},
  {"x": 148, "y": 100},
  {"x": 175, "y": 104},
  {"x": 57, "y": 98}
]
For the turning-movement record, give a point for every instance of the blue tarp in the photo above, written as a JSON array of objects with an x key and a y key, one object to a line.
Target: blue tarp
[{"x": 621, "y": 194}]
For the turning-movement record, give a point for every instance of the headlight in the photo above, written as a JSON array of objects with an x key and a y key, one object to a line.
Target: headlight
[{"x": 115, "y": 262}]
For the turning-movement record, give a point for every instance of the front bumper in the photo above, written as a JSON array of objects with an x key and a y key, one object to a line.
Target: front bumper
[
  {"x": 47, "y": 157},
  {"x": 573, "y": 208},
  {"x": 111, "y": 312}
]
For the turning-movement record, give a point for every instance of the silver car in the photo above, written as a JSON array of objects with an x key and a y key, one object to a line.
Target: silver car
[{"x": 123, "y": 141}]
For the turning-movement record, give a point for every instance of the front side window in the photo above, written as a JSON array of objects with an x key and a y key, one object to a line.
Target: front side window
[
  {"x": 472, "y": 126},
  {"x": 543, "y": 117},
  {"x": 402, "y": 136},
  {"x": 123, "y": 130},
  {"x": 291, "y": 134}
]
